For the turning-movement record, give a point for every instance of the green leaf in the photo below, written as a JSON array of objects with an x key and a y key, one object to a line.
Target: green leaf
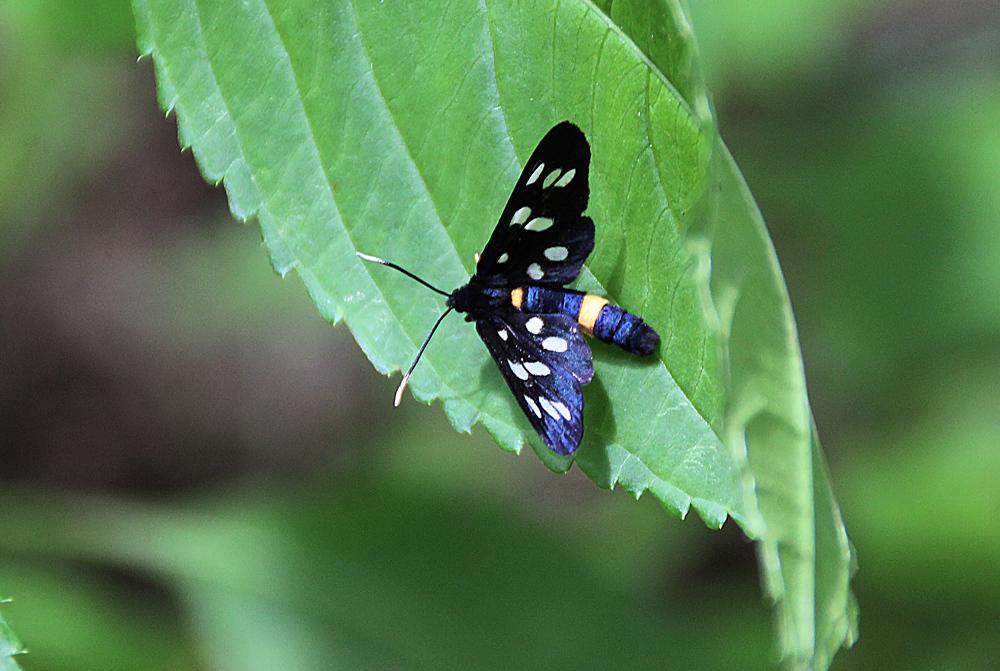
[
  {"x": 806, "y": 558},
  {"x": 10, "y": 646},
  {"x": 351, "y": 127},
  {"x": 396, "y": 128},
  {"x": 79, "y": 619}
]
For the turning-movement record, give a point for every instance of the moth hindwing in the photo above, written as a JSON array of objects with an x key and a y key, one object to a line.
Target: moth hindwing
[{"x": 544, "y": 359}]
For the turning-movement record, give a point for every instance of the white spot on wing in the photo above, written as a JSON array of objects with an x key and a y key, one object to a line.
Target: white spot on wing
[
  {"x": 556, "y": 253},
  {"x": 551, "y": 177},
  {"x": 547, "y": 406},
  {"x": 503, "y": 258},
  {"x": 534, "y": 325},
  {"x": 534, "y": 406},
  {"x": 517, "y": 369},
  {"x": 503, "y": 334},
  {"x": 554, "y": 344},
  {"x": 567, "y": 178},
  {"x": 535, "y": 271},
  {"x": 520, "y": 216},
  {"x": 539, "y": 224},
  {"x": 537, "y": 368},
  {"x": 535, "y": 175},
  {"x": 562, "y": 409}
]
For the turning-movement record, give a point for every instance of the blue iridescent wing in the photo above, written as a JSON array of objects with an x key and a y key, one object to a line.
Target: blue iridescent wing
[
  {"x": 542, "y": 236},
  {"x": 545, "y": 360}
]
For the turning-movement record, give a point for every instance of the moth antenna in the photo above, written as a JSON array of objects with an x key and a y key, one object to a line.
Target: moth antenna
[
  {"x": 375, "y": 259},
  {"x": 420, "y": 352}
]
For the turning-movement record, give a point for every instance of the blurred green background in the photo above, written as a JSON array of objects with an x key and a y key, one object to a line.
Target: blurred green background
[{"x": 199, "y": 473}]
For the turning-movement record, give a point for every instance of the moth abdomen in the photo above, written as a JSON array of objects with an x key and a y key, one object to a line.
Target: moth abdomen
[
  {"x": 628, "y": 331},
  {"x": 543, "y": 300},
  {"x": 594, "y": 315}
]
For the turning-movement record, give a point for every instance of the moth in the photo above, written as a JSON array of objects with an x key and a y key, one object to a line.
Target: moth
[{"x": 531, "y": 324}]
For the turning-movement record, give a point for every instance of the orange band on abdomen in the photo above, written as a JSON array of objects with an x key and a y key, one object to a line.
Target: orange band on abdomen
[
  {"x": 590, "y": 310},
  {"x": 516, "y": 297}
]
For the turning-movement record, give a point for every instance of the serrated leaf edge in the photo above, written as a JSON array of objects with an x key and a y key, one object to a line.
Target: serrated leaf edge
[{"x": 500, "y": 430}]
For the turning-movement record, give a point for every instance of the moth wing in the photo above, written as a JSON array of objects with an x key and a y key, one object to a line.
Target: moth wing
[
  {"x": 545, "y": 361},
  {"x": 542, "y": 236}
]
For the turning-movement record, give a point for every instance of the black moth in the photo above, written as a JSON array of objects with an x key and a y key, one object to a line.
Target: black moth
[{"x": 529, "y": 322}]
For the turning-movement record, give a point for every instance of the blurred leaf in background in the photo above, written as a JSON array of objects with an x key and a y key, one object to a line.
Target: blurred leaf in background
[
  {"x": 386, "y": 572},
  {"x": 870, "y": 134},
  {"x": 61, "y": 102}
]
